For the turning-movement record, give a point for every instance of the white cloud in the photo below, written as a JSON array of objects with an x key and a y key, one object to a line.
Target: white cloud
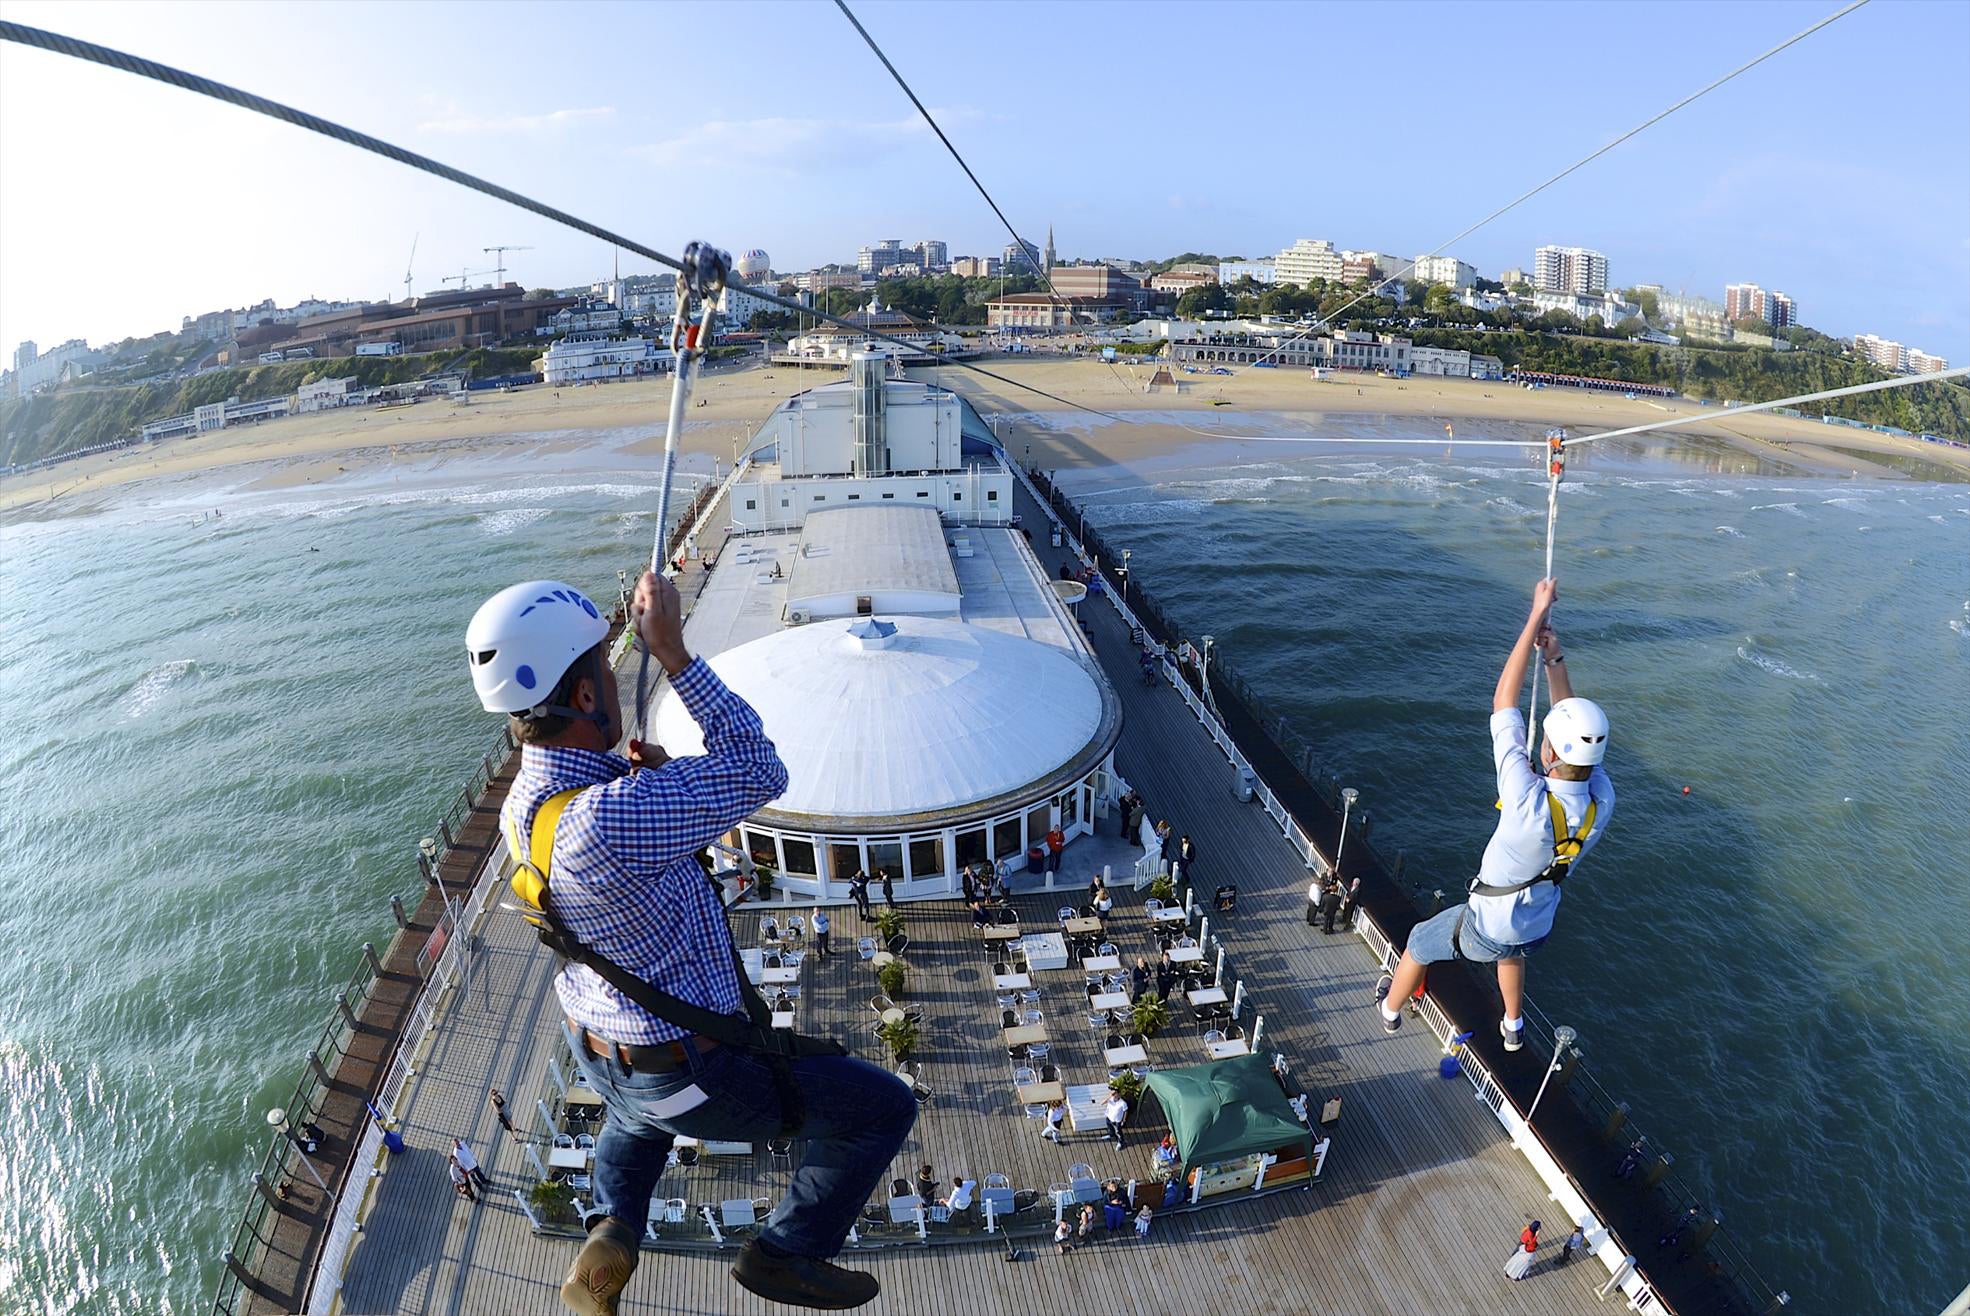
[{"x": 455, "y": 122}]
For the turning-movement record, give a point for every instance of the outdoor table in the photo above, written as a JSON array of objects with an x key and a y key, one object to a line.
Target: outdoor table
[
  {"x": 881, "y": 958},
  {"x": 1040, "y": 1094},
  {"x": 1102, "y": 963},
  {"x": 1026, "y": 1034},
  {"x": 568, "y": 1158},
  {"x": 893, "y": 1015},
  {"x": 783, "y": 1018},
  {"x": 1044, "y": 950},
  {"x": 1186, "y": 954},
  {"x": 1111, "y": 1001},
  {"x": 715, "y": 1148},
  {"x": 1125, "y": 1055},
  {"x": 1170, "y": 914},
  {"x": 1226, "y": 1050},
  {"x": 1087, "y": 1104},
  {"x": 780, "y": 977},
  {"x": 754, "y": 961},
  {"x": 1081, "y": 927},
  {"x": 736, "y": 1213},
  {"x": 1207, "y": 996},
  {"x": 1002, "y": 932},
  {"x": 1012, "y": 982},
  {"x": 584, "y": 1097}
]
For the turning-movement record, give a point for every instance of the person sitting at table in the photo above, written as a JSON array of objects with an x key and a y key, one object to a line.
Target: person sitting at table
[
  {"x": 962, "y": 1191},
  {"x": 1056, "y": 1112},
  {"x": 926, "y": 1186},
  {"x": 980, "y": 915},
  {"x": 1086, "y": 1228},
  {"x": 1114, "y": 1205}
]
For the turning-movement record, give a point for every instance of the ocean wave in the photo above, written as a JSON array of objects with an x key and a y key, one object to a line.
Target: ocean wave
[
  {"x": 1775, "y": 667},
  {"x": 1790, "y": 509},
  {"x": 155, "y": 685},
  {"x": 506, "y": 521},
  {"x": 1515, "y": 508},
  {"x": 1732, "y": 531}
]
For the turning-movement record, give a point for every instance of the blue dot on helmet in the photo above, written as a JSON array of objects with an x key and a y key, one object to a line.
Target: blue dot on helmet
[{"x": 524, "y": 675}]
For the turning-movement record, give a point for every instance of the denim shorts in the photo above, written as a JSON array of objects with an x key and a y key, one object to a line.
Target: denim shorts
[{"x": 1431, "y": 941}]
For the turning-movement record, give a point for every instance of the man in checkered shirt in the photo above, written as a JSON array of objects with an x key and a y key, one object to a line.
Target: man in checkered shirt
[{"x": 624, "y": 880}]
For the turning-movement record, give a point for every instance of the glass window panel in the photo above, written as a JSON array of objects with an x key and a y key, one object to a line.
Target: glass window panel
[
  {"x": 971, "y": 847},
  {"x": 927, "y": 858},
  {"x": 765, "y": 854},
  {"x": 1039, "y": 820},
  {"x": 1070, "y": 809},
  {"x": 886, "y": 854},
  {"x": 844, "y": 858},
  {"x": 1005, "y": 839},
  {"x": 800, "y": 855}
]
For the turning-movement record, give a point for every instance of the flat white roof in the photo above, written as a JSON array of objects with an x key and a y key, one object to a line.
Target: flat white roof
[{"x": 871, "y": 550}]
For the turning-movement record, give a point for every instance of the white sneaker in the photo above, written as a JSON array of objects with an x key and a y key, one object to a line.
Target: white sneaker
[{"x": 1514, "y": 1037}]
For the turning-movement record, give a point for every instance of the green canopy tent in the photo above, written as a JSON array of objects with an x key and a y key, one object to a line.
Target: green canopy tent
[{"x": 1227, "y": 1110}]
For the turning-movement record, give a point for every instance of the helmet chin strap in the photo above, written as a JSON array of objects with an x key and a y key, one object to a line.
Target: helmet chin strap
[{"x": 600, "y": 717}]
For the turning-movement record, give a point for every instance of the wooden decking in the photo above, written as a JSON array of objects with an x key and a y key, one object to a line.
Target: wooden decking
[{"x": 1418, "y": 1209}]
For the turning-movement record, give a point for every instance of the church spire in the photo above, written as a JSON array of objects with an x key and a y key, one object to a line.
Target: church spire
[{"x": 1048, "y": 256}]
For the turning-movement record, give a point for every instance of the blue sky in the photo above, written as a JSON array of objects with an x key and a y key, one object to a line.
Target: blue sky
[{"x": 1838, "y": 172}]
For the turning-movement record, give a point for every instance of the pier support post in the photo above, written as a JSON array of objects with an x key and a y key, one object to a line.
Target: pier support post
[
  {"x": 375, "y": 964},
  {"x": 1568, "y": 1063},
  {"x": 1700, "y": 1236},
  {"x": 1615, "y": 1119},
  {"x": 397, "y": 912},
  {"x": 1658, "y": 1168},
  {"x": 262, "y": 1187},
  {"x": 321, "y": 1070},
  {"x": 1621, "y": 1272},
  {"x": 348, "y": 1014},
  {"x": 240, "y": 1272},
  {"x": 1395, "y": 873}
]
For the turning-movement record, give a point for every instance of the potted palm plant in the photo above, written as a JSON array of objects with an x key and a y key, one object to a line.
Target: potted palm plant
[
  {"x": 901, "y": 1036},
  {"x": 890, "y": 978},
  {"x": 1162, "y": 888},
  {"x": 553, "y": 1200},
  {"x": 889, "y": 925},
  {"x": 1148, "y": 1016}
]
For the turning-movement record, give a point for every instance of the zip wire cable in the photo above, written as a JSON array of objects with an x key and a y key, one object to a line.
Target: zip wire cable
[
  {"x": 89, "y": 52},
  {"x": 1555, "y": 469},
  {"x": 1584, "y": 160},
  {"x": 1706, "y": 418},
  {"x": 1019, "y": 244}
]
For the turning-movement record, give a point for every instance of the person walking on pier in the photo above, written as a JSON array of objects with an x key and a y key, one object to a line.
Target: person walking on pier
[
  {"x": 1519, "y": 1264},
  {"x": 498, "y": 1100},
  {"x": 461, "y": 1182},
  {"x": 1313, "y": 891},
  {"x": 663, "y": 1024},
  {"x": 466, "y": 1161},
  {"x": 1574, "y": 1242},
  {"x": 888, "y": 888},
  {"x": 821, "y": 933},
  {"x": 1546, "y": 823}
]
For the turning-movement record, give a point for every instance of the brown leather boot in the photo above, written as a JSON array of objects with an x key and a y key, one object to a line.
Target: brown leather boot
[
  {"x": 601, "y": 1269},
  {"x": 802, "y": 1281}
]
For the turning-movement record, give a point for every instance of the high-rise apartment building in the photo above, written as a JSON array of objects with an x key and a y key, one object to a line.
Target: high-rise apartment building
[
  {"x": 1569, "y": 269},
  {"x": 876, "y": 259},
  {"x": 1747, "y": 301},
  {"x": 1307, "y": 260},
  {"x": 1023, "y": 258},
  {"x": 932, "y": 254},
  {"x": 1891, "y": 355},
  {"x": 975, "y": 267},
  {"x": 1921, "y": 363}
]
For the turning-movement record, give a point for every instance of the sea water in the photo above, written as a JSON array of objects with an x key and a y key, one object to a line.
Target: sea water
[
  {"x": 226, "y": 736},
  {"x": 1767, "y": 968}
]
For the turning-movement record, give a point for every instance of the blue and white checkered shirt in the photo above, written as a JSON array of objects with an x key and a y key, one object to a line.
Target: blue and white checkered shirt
[{"x": 623, "y": 876}]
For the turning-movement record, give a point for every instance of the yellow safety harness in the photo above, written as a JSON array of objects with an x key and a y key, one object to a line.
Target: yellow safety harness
[
  {"x": 777, "y": 1047},
  {"x": 1567, "y": 845}
]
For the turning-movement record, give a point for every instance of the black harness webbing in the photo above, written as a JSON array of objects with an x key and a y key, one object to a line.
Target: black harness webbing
[{"x": 754, "y": 1034}]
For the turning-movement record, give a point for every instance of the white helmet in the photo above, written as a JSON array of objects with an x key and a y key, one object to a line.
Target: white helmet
[
  {"x": 523, "y": 639},
  {"x": 1577, "y": 731}
]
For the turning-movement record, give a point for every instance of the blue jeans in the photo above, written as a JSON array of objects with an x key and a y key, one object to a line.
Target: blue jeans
[
  {"x": 1430, "y": 942},
  {"x": 857, "y": 1118}
]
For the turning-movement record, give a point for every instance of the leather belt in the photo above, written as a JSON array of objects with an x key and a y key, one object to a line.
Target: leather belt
[{"x": 662, "y": 1058}]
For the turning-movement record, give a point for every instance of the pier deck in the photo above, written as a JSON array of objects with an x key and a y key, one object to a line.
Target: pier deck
[{"x": 1418, "y": 1208}]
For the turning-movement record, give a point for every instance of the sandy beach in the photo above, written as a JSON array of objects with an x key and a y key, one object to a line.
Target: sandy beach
[{"x": 729, "y": 403}]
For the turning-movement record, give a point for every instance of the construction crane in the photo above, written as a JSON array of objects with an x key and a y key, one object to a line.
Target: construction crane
[
  {"x": 412, "y": 261},
  {"x": 463, "y": 277},
  {"x": 499, "y": 270}
]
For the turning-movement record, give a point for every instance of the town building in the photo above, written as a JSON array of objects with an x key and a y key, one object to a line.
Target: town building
[
  {"x": 1512, "y": 277},
  {"x": 452, "y": 321},
  {"x": 35, "y": 370},
  {"x": 1258, "y": 271},
  {"x": 1039, "y": 312},
  {"x": 580, "y": 358},
  {"x": 1921, "y": 363},
  {"x": 876, "y": 259},
  {"x": 833, "y": 344},
  {"x": 323, "y": 395},
  {"x": 1455, "y": 363},
  {"x": 1446, "y": 270},
  {"x": 1357, "y": 267},
  {"x": 1612, "y": 310},
  {"x": 1569, "y": 269},
  {"x": 1179, "y": 282},
  {"x": 1022, "y": 258},
  {"x": 821, "y": 280},
  {"x": 1306, "y": 260},
  {"x": 1899, "y": 357},
  {"x": 1241, "y": 343},
  {"x": 586, "y": 318},
  {"x": 1096, "y": 281},
  {"x": 217, "y": 416},
  {"x": 1747, "y": 301},
  {"x": 976, "y": 267},
  {"x": 932, "y": 254}
]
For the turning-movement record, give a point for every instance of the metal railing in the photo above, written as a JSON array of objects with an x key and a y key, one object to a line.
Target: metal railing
[
  {"x": 251, "y": 1234},
  {"x": 1145, "y": 616}
]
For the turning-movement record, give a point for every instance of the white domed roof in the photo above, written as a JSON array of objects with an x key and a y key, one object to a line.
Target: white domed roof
[{"x": 926, "y": 718}]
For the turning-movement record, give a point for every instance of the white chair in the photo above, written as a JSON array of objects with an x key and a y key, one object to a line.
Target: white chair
[
  {"x": 1030, "y": 996},
  {"x": 1152, "y": 904},
  {"x": 997, "y": 1181},
  {"x": 1023, "y": 1075},
  {"x": 585, "y": 1141},
  {"x": 866, "y": 948}
]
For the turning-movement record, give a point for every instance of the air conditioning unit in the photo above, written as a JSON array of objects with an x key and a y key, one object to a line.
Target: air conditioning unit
[{"x": 799, "y": 616}]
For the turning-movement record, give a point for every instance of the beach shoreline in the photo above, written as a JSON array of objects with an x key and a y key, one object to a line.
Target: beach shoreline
[{"x": 1263, "y": 409}]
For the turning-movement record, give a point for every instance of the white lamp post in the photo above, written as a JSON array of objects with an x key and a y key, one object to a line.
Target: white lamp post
[
  {"x": 277, "y": 1121},
  {"x": 1563, "y": 1037},
  {"x": 1348, "y": 796},
  {"x": 1126, "y": 554},
  {"x": 428, "y": 847}
]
